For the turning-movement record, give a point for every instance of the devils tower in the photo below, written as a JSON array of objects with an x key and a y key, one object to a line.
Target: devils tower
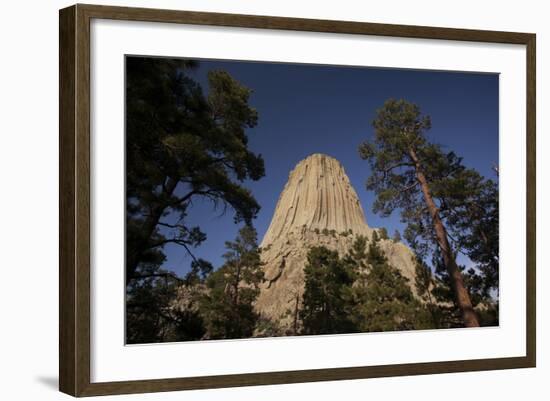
[{"x": 317, "y": 207}]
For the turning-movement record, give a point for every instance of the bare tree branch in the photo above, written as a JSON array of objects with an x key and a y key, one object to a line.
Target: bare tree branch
[
  {"x": 174, "y": 241},
  {"x": 165, "y": 275},
  {"x": 408, "y": 187},
  {"x": 402, "y": 164}
]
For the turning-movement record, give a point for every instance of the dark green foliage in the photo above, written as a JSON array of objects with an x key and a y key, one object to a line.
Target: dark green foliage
[
  {"x": 146, "y": 313},
  {"x": 384, "y": 300},
  {"x": 486, "y": 304},
  {"x": 475, "y": 233},
  {"x": 358, "y": 252},
  {"x": 446, "y": 207},
  {"x": 383, "y": 233},
  {"x": 188, "y": 325},
  {"x": 327, "y": 293},
  {"x": 469, "y": 205},
  {"x": 227, "y": 306},
  {"x": 475, "y": 222},
  {"x": 441, "y": 309},
  {"x": 150, "y": 314},
  {"x": 396, "y": 236},
  {"x": 424, "y": 281},
  {"x": 293, "y": 313},
  {"x": 360, "y": 292},
  {"x": 435, "y": 287},
  {"x": 182, "y": 144},
  {"x": 268, "y": 328},
  {"x": 400, "y": 127},
  {"x": 489, "y": 314}
]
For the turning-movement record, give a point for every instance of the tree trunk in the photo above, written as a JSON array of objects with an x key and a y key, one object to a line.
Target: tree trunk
[
  {"x": 133, "y": 256},
  {"x": 296, "y": 310},
  {"x": 236, "y": 284},
  {"x": 455, "y": 275}
]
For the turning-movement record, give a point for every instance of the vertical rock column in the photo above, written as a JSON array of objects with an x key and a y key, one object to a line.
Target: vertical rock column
[{"x": 318, "y": 195}]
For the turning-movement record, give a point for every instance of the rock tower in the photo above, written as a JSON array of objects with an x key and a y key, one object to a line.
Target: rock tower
[{"x": 318, "y": 206}]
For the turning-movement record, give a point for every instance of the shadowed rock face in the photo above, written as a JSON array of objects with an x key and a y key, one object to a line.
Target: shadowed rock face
[{"x": 318, "y": 206}]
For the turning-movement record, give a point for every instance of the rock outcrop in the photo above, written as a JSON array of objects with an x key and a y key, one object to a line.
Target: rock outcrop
[
  {"x": 318, "y": 206},
  {"x": 318, "y": 195}
]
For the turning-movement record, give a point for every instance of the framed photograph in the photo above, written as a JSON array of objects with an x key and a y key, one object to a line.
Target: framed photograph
[{"x": 250, "y": 200}]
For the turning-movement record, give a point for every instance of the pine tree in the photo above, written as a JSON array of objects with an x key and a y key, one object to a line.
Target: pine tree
[
  {"x": 182, "y": 145},
  {"x": 474, "y": 220},
  {"x": 425, "y": 283},
  {"x": 383, "y": 298},
  {"x": 383, "y": 233},
  {"x": 396, "y": 236},
  {"x": 358, "y": 251},
  {"x": 152, "y": 315},
  {"x": 147, "y": 313},
  {"x": 407, "y": 173},
  {"x": 327, "y": 293},
  {"x": 227, "y": 307}
]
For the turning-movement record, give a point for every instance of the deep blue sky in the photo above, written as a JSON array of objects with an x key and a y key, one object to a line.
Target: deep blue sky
[{"x": 305, "y": 109}]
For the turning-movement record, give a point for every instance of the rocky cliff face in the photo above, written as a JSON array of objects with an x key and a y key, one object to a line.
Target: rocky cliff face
[
  {"x": 318, "y": 195},
  {"x": 318, "y": 206}
]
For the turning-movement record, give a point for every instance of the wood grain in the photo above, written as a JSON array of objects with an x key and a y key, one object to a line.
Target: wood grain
[
  {"x": 74, "y": 198},
  {"x": 67, "y": 265}
]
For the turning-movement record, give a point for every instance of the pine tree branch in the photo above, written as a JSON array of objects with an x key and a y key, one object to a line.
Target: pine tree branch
[
  {"x": 408, "y": 187},
  {"x": 150, "y": 275},
  {"x": 401, "y": 164},
  {"x": 174, "y": 241}
]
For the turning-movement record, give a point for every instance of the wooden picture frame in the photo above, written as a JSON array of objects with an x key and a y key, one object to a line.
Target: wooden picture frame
[{"x": 74, "y": 204}]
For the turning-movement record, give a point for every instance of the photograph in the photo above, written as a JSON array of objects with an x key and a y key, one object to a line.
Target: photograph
[
  {"x": 269, "y": 199},
  {"x": 263, "y": 200}
]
